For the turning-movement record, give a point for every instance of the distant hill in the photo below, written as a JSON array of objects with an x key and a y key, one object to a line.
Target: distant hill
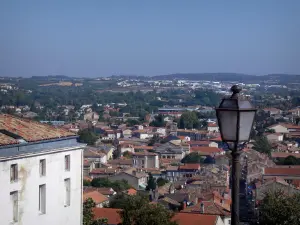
[{"x": 280, "y": 78}]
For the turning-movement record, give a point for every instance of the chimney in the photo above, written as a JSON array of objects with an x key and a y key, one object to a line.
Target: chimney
[
  {"x": 201, "y": 208},
  {"x": 184, "y": 205}
]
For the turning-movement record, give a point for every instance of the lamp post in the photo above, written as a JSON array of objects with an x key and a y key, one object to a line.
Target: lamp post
[{"x": 235, "y": 116}]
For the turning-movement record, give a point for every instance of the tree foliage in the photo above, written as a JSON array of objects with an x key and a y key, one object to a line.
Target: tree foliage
[
  {"x": 158, "y": 122},
  {"x": 151, "y": 185},
  {"x": 161, "y": 181},
  {"x": 136, "y": 210},
  {"x": 189, "y": 120},
  {"x": 262, "y": 145},
  {"x": 290, "y": 160},
  {"x": 87, "y": 136},
  {"x": 278, "y": 208},
  {"x": 193, "y": 157},
  {"x": 118, "y": 185}
]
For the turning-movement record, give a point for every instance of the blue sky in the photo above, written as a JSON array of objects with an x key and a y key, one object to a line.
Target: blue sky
[{"x": 107, "y": 37}]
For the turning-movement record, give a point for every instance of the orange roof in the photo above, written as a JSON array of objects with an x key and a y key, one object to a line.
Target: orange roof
[
  {"x": 87, "y": 178},
  {"x": 284, "y": 154},
  {"x": 282, "y": 171},
  {"x": 212, "y": 125},
  {"x": 216, "y": 139},
  {"x": 194, "y": 219},
  {"x": 190, "y": 166},
  {"x": 96, "y": 196},
  {"x": 112, "y": 215},
  {"x": 198, "y": 142},
  {"x": 131, "y": 191},
  {"x": 205, "y": 149},
  {"x": 31, "y": 130},
  {"x": 7, "y": 140},
  {"x": 103, "y": 171},
  {"x": 181, "y": 137}
]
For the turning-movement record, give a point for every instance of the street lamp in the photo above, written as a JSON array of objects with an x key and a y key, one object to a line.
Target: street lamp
[{"x": 235, "y": 116}]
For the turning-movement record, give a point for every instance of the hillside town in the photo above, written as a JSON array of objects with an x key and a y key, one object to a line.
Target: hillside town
[{"x": 175, "y": 161}]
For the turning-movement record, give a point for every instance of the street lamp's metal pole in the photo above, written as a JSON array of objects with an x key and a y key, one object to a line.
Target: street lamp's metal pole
[{"x": 235, "y": 185}]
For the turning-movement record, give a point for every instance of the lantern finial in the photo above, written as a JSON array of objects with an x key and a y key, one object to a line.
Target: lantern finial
[{"x": 236, "y": 89}]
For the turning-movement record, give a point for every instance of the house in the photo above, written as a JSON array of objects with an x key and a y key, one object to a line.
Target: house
[
  {"x": 142, "y": 134},
  {"x": 112, "y": 215},
  {"x": 274, "y": 137},
  {"x": 91, "y": 116},
  {"x": 272, "y": 111},
  {"x": 102, "y": 172},
  {"x": 121, "y": 163},
  {"x": 40, "y": 173},
  {"x": 138, "y": 180},
  {"x": 175, "y": 173},
  {"x": 278, "y": 128},
  {"x": 212, "y": 127},
  {"x": 108, "y": 192},
  {"x": 208, "y": 151},
  {"x": 124, "y": 147},
  {"x": 29, "y": 114},
  {"x": 97, "y": 197},
  {"x": 291, "y": 127},
  {"x": 160, "y": 130},
  {"x": 127, "y": 133},
  {"x": 145, "y": 160},
  {"x": 94, "y": 154},
  {"x": 281, "y": 172},
  {"x": 197, "y": 218},
  {"x": 203, "y": 143},
  {"x": 172, "y": 150},
  {"x": 195, "y": 135}
]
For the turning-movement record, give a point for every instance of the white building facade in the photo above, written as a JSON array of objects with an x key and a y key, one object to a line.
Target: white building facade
[{"x": 43, "y": 185}]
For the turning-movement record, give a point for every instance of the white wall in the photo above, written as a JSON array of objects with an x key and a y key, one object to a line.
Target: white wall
[{"x": 28, "y": 188}]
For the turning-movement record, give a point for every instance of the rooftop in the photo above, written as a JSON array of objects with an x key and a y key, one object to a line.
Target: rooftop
[
  {"x": 14, "y": 128},
  {"x": 96, "y": 196}
]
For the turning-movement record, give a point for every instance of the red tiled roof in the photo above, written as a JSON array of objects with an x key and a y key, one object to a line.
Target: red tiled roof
[
  {"x": 131, "y": 191},
  {"x": 282, "y": 171},
  {"x": 103, "y": 171},
  {"x": 212, "y": 125},
  {"x": 194, "y": 219},
  {"x": 112, "y": 215},
  {"x": 190, "y": 166},
  {"x": 290, "y": 126},
  {"x": 210, "y": 208},
  {"x": 31, "y": 130},
  {"x": 96, "y": 196},
  {"x": 284, "y": 154},
  {"x": 7, "y": 140}
]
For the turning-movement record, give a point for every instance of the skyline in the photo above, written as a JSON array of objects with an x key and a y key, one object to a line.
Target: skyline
[{"x": 101, "y": 38}]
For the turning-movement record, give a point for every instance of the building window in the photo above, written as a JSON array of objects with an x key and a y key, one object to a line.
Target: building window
[
  {"x": 42, "y": 198},
  {"x": 14, "y": 200},
  {"x": 67, "y": 192},
  {"x": 43, "y": 167},
  {"x": 67, "y": 162},
  {"x": 13, "y": 172},
  {"x": 229, "y": 222}
]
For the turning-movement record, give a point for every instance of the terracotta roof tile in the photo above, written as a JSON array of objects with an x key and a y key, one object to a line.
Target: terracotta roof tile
[
  {"x": 194, "y": 219},
  {"x": 31, "y": 130},
  {"x": 282, "y": 171},
  {"x": 112, "y": 215},
  {"x": 96, "y": 196},
  {"x": 284, "y": 154},
  {"x": 131, "y": 191},
  {"x": 204, "y": 149},
  {"x": 190, "y": 166}
]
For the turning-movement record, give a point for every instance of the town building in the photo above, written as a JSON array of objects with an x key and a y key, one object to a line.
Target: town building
[{"x": 40, "y": 173}]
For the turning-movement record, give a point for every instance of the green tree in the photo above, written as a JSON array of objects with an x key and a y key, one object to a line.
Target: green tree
[
  {"x": 127, "y": 154},
  {"x": 193, "y": 157},
  {"x": 87, "y": 136},
  {"x": 151, "y": 185},
  {"x": 117, "y": 153},
  {"x": 291, "y": 160},
  {"x": 189, "y": 120},
  {"x": 158, "y": 122},
  {"x": 138, "y": 211},
  {"x": 118, "y": 185},
  {"x": 86, "y": 183},
  {"x": 131, "y": 123},
  {"x": 154, "y": 139},
  {"x": 277, "y": 208},
  {"x": 161, "y": 181},
  {"x": 262, "y": 145},
  {"x": 88, "y": 214}
]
